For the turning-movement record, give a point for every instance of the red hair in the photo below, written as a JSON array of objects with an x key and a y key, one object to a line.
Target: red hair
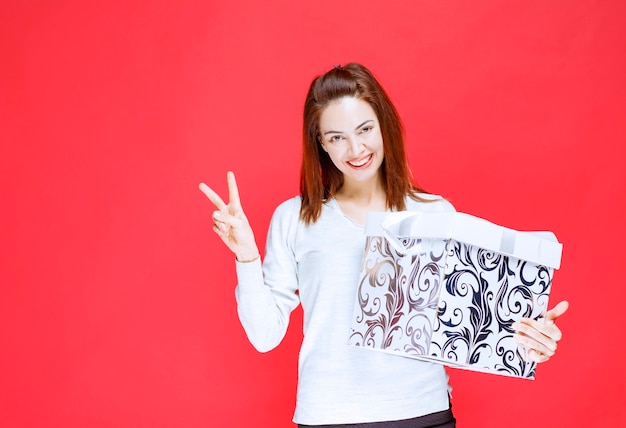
[{"x": 319, "y": 178}]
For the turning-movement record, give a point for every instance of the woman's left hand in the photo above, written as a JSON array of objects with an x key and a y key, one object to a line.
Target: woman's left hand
[{"x": 541, "y": 337}]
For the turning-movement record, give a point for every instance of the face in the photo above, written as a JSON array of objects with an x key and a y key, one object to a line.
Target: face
[{"x": 350, "y": 134}]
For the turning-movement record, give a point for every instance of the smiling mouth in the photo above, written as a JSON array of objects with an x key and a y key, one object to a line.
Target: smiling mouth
[{"x": 360, "y": 162}]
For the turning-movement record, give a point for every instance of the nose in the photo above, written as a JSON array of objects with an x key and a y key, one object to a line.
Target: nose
[{"x": 355, "y": 145}]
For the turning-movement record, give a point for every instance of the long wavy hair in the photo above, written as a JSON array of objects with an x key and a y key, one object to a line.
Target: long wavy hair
[{"x": 319, "y": 177}]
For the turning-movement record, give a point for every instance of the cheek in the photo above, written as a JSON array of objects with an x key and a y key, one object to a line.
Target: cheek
[{"x": 377, "y": 140}]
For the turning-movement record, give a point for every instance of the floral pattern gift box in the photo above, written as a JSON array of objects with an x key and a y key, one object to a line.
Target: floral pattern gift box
[{"x": 447, "y": 287}]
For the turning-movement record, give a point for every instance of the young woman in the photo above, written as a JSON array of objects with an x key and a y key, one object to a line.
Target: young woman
[{"x": 353, "y": 163}]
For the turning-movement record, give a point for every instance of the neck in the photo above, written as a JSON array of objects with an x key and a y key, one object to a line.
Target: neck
[{"x": 361, "y": 194}]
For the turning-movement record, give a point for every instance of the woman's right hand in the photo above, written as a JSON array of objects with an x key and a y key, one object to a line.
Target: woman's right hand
[{"x": 230, "y": 222}]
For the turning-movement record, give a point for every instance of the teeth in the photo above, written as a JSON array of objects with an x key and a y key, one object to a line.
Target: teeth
[{"x": 361, "y": 162}]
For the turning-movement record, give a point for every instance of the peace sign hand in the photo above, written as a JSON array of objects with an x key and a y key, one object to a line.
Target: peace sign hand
[{"x": 230, "y": 222}]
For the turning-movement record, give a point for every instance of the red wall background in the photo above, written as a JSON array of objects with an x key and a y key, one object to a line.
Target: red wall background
[{"x": 116, "y": 300}]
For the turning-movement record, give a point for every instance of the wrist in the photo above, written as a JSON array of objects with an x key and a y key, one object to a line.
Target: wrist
[{"x": 247, "y": 258}]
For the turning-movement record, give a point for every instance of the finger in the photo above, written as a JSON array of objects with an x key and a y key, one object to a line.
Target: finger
[
  {"x": 546, "y": 325},
  {"x": 221, "y": 230},
  {"x": 537, "y": 356},
  {"x": 545, "y": 336},
  {"x": 226, "y": 219},
  {"x": 539, "y": 336},
  {"x": 217, "y": 229},
  {"x": 532, "y": 345},
  {"x": 213, "y": 197},
  {"x": 233, "y": 191},
  {"x": 539, "y": 328},
  {"x": 557, "y": 311}
]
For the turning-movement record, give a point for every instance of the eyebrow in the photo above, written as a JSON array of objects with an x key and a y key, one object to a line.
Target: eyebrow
[{"x": 339, "y": 132}]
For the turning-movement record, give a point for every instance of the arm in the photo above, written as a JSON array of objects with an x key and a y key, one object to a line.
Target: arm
[
  {"x": 266, "y": 298},
  {"x": 266, "y": 294}
]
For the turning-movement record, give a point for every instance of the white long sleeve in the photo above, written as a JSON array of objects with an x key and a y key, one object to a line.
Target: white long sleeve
[{"x": 264, "y": 302}]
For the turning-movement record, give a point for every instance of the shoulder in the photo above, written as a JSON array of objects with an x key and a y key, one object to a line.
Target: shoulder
[
  {"x": 429, "y": 203},
  {"x": 285, "y": 223},
  {"x": 288, "y": 211}
]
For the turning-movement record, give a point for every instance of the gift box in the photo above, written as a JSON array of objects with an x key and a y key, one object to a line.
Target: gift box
[{"x": 447, "y": 287}]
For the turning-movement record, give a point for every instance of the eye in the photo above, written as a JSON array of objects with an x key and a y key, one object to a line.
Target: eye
[
  {"x": 335, "y": 139},
  {"x": 366, "y": 129}
]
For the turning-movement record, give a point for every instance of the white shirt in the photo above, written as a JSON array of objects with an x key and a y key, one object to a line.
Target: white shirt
[{"x": 318, "y": 266}]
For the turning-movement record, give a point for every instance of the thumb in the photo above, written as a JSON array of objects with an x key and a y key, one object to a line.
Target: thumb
[{"x": 557, "y": 311}]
